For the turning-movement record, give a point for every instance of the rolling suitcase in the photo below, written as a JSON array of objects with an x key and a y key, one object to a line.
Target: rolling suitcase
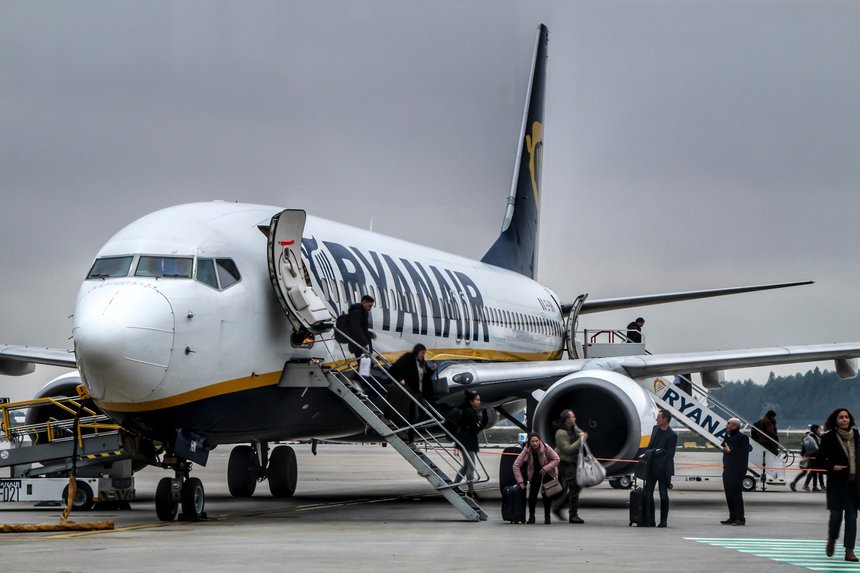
[
  {"x": 639, "y": 508},
  {"x": 514, "y": 504},
  {"x": 506, "y": 467}
]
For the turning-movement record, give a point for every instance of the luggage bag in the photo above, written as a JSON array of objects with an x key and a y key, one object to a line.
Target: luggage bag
[
  {"x": 514, "y": 504},
  {"x": 639, "y": 508}
]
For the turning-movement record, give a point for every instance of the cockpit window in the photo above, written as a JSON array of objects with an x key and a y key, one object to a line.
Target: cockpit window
[
  {"x": 206, "y": 272},
  {"x": 228, "y": 274},
  {"x": 168, "y": 267},
  {"x": 110, "y": 267}
]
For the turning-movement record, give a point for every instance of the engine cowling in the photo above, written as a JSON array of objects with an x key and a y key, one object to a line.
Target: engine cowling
[{"x": 614, "y": 410}]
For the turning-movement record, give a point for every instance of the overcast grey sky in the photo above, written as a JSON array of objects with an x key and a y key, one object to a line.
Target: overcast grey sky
[{"x": 688, "y": 144}]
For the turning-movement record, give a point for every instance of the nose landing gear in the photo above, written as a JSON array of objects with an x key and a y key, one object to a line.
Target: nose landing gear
[{"x": 180, "y": 491}]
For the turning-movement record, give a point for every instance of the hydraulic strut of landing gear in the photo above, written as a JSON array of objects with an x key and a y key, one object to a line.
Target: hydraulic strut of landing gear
[
  {"x": 180, "y": 491},
  {"x": 251, "y": 464}
]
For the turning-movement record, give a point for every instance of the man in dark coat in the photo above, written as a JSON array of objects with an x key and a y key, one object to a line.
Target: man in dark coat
[
  {"x": 634, "y": 330},
  {"x": 359, "y": 326},
  {"x": 765, "y": 433},
  {"x": 662, "y": 446},
  {"x": 412, "y": 371},
  {"x": 736, "y": 455}
]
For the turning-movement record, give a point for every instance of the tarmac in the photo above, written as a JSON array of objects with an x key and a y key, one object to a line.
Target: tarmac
[{"x": 363, "y": 508}]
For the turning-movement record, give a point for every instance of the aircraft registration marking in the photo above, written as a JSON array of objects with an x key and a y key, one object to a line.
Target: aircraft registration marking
[{"x": 806, "y": 553}]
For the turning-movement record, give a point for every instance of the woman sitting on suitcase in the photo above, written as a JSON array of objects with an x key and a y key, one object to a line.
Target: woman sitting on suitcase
[{"x": 542, "y": 464}]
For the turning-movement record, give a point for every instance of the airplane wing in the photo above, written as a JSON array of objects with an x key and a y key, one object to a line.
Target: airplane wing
[
  {"x": 20, "y": 360},
  {"x": 504, "y": 381},
  {"x": 606, "y": 304}
]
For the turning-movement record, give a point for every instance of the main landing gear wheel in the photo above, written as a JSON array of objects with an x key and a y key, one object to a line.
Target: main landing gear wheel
[
  {"x": 241, "y": 474},
  {"x": 749, "y": 483},
  {"x": 621, "y": 482},
  {"x": 193, "y": 499},
  {"x": 83, "y": 499},
  {"x": 165, "y": 505},
  {"x": 283, "y": 472}
]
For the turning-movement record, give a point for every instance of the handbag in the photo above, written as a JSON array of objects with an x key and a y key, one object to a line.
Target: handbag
[
  {"x": 589, "y": 472},
  {"x": 551, "y": 487}
]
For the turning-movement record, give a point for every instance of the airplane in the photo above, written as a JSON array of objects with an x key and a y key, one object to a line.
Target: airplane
[{"x": 187, "y": 317}]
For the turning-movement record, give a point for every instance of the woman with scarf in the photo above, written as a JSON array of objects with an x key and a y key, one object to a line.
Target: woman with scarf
[
  {"x": 542, "y": 464},
  {"x": 839, "y": 453}
]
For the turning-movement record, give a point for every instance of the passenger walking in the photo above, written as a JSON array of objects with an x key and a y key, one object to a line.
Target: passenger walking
[
  {"x": 568, "y": 443},
  {"x": 413, "y": 373},
  {"x": 808, "y": 461},
  {"x": 542, "y": 464},
  {"x": 359, "y": 326},
  {"x": 736, "y": 454},
  {"x": 840, "y": 446},
  {"x": 663, "y": 443},
  {"x": 472, "y": 421},
  {"x": 764, "y": 432},
  {"x": 634, "y": 330}
]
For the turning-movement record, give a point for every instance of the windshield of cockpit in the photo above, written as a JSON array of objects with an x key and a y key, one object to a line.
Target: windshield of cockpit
[{"x": 218, "y": 273}]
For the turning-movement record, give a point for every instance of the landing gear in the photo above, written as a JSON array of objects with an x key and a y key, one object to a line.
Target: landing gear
[
  {"x": 621, "y": 482},
  {"x": 165, "y": 503},
  {"x": 242, "y": 472},
  {"x": 748, "y": 484},
  {"x": 180, "y": 490},
  {"x": 193, "y": 500},
  {"x": 251, "y": 464},
  {"x": 283, "y": 472}
]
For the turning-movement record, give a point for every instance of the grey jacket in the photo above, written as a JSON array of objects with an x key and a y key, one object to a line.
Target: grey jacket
[{"x": 568, "y": 444}]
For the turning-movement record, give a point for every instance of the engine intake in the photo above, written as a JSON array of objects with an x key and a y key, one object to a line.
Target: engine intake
[{"x": 609, "y": 406}]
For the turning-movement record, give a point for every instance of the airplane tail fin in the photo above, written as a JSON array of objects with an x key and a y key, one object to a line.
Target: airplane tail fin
[{"x": 517, "y": 246}]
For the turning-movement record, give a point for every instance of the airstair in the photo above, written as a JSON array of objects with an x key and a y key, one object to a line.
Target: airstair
[
  {"x": 390, "y": 411},
  {"x": 694, "y": 407}
]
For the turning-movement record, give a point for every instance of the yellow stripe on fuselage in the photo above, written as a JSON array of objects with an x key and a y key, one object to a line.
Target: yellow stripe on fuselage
[
  {"x": 644, "y": 441},
  {"x": 272, "y": 378}
]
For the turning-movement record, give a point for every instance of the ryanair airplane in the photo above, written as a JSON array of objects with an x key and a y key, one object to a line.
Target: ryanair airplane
[{"x": 188, "y": 316}]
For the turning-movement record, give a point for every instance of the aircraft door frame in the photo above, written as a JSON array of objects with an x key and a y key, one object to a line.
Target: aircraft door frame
[
  {"x": 289, "y": 276},
  {"x": 573, "y": 350}
]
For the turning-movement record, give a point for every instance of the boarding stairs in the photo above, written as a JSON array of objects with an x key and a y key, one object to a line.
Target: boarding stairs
[
  {"x": 48, "y": 448},
  {"x": 390, "y": 410},
  {"x": 695, "y": 408}
]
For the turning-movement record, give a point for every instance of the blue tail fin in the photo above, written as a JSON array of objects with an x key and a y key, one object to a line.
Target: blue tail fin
[{"x": 517, "y": 247}]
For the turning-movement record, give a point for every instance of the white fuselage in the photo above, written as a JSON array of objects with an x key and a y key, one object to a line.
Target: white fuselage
[{"x": 148, "y": 343}]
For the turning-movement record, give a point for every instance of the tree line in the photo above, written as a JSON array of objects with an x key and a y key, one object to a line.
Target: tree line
[{"x": 798, "y": 400}]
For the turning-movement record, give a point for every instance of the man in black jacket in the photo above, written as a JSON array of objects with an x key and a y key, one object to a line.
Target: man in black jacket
[
  {"x": 736, "y": 455},
  {"x": 662, "y": 446},
  {"x": 359, "y": 326}
]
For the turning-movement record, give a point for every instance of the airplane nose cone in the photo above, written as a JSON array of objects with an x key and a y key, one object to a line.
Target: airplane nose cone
[{"x": 123, "y": 341}]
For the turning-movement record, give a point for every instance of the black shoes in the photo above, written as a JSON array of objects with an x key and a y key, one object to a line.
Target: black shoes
[
  {"x": 575, "y": 519},
  {"x": 531, "y": 519},
  {"x": 831, "y": 547},
  {"x": 661, "y": 524},
  {"x": 728, "y": 521},
  {"x": 738, "y": 522}
]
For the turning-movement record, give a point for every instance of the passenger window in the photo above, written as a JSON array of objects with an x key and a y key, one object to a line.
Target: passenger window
[
  {"x": 167, "y": 267},
  {"x": 110, "y": 267},
  {"x": 228, "y": 274},
  {"x": 206, "y": 272}
]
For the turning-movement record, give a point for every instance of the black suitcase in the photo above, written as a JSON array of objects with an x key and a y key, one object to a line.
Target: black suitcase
[
  {"x": 639, "y": 509},
  {"x": 506, "y": 467},
  {"x": 514, "y": 504}
]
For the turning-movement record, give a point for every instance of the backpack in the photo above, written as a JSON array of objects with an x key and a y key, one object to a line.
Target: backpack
[{"x": 341, "y": 325}]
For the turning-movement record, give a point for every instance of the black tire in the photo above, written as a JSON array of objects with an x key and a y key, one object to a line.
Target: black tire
[
  {"x": 83, "y": 500},
  {"x": 283, "y": 472},
  {"x": 748, "y": 484},
  {"x": 625, "y": 482},
  {"x": 165, "y": 505},
  {"x": 241, "y": 477},
  {"x": 193, "y": 498}
]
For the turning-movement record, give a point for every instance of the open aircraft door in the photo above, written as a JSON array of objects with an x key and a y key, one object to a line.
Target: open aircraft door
[
  {"x": 574, "y": 350},
  {"x": 289, "y": 276}
]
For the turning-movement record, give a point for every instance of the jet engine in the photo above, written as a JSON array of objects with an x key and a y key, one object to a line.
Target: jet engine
[{"x": 615, "y": 411}]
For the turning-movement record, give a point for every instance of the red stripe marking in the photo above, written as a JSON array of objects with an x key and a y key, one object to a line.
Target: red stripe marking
[{"x": 287, "y": 243}]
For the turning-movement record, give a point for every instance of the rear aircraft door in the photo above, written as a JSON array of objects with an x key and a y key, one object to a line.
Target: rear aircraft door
[
  {"x": 290, "y": 278},
  {"x": 573, "y": 346}
]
